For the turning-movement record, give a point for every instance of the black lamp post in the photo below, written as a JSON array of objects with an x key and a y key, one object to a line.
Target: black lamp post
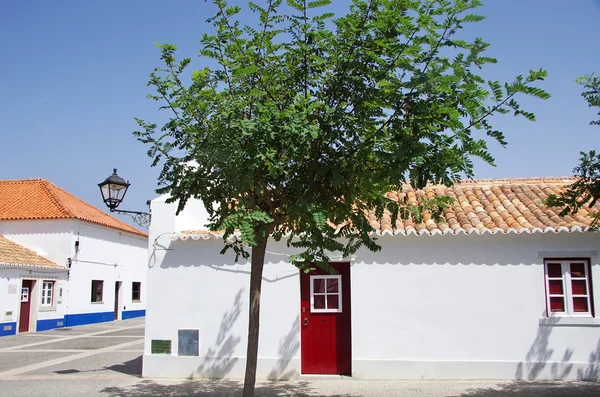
[{"x": 113, "y": 191}]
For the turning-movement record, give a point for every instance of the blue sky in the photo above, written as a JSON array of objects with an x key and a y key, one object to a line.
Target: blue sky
[{"x": 74, "y": 75}]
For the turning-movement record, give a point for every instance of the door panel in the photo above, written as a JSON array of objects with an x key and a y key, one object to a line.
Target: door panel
[
  {"x": 25, "y": 306},
  {"x": 117, "y": 303},
  {"x": 326, "y": 322}
]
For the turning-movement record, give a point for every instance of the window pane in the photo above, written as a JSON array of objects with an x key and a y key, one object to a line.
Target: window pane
[
  {"x": 332, "y": 285},
  {"x": 319, "y": 301},
  {"x": 580, "y": 304},
  {"x": 554, "y": 270},
  {"x": 135, "y": 291},
  {"x": 332, "y": 302},
  {"x": 579, "y": 287},
  {"x": 556, "y": 287},
  {"x": 557, "y": 304},
  {"x": 318, "y": 285},
  {"x": 577, "y": 270}
]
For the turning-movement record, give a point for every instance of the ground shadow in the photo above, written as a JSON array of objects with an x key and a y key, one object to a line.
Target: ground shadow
[
  {"x": 538, "y": 389},
  {"x": 131, "y": 367},
  {"x": 218, "y": 360},
  {"x": 288, "y": 347},
  {"x": 214, "y": 388}
]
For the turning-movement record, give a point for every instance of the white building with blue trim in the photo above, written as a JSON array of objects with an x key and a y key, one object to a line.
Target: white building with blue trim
[{"x": 97, "y": 264}]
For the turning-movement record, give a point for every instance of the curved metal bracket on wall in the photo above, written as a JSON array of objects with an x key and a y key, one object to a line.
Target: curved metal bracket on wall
[{"x": 141, "y": 218}]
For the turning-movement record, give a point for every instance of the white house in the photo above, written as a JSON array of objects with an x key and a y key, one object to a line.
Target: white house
[
  {"x": 99, "y": 264},
  {"x": 36, "y": 276},
  {"x": 504, "y": 288}
]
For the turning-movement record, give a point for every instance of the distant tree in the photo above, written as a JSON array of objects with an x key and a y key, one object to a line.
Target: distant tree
[
  {"x": 306, "y": 121},
  {"x": 585, "y": 191}
]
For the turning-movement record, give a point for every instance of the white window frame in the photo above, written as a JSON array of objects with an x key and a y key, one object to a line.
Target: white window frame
[
  {"x": 567, "y": 287},
  {"x": 45, "y": 295},
  {"x": 24, "y": 294},
  {"x": 312, "y": 294}
]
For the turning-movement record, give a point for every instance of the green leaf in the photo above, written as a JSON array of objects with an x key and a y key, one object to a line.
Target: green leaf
[
  {"x": 295, "y": 5},
  {"x": 473, "y": 18},
  {"x": 318, "y": 3}
]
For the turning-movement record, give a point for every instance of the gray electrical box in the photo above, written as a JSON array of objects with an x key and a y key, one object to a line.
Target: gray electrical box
[{"x": 188, "y": 342}]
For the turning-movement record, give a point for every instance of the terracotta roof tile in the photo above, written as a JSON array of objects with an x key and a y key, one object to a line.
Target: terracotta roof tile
[
  {"x": 41, "y": 199},
  {"x": 491, "y": 205},
  {"x": 480, "y": 206},
  {"x": 13, "y": 254}
]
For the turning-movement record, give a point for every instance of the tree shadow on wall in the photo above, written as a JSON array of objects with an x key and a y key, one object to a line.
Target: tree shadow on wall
[
  {"x": 592, "y": 373},
  {"x": 218, "y": 361},
  {"x": 288, "y": 347},
  {"x": 540, "y": 353}
]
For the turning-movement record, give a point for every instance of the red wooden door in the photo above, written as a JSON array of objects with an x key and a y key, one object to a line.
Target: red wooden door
[
  {"x": 25, "y": 306},
  {"x": 326, "y": 344}
]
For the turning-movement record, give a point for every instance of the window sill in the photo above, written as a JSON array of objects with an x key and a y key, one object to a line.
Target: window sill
[
  {"x": 96, "y": 303},
  {"x": 569, "y": 321},
  {"x": 136, "y": 301},
  {"x": 47, "y": 308}
]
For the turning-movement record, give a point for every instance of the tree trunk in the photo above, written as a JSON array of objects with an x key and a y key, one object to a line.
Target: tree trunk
[{"x": 258, "y": 261}]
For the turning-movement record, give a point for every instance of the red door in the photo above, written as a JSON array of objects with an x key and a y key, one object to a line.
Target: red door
[
  {"x": 25, "y": 306},
  {"x": 325, "y": 318}
]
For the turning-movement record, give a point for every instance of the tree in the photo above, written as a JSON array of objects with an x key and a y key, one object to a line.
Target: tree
[
  {"x": 306, "y": 120},
  {"x": 585, "y": 191}
]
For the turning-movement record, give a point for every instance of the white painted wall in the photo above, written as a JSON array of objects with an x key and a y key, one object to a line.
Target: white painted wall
[
  {"x": 50, "y": 238},
  {"x": 424, "y": 307},
  {"x": 109, "y": 255},
  {"x": 104, "y": 254}
]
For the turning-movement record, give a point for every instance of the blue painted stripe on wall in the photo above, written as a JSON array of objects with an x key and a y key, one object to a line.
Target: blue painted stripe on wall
[
  {"x": 132, "y": 314},
  {"x": 44, "y": 325},
  {"x": 7, "y": 329},
  {"x": 72, "y": 320}
]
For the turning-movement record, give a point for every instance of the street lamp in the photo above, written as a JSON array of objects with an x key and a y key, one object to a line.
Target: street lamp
[{"x": 113, "y": 191}]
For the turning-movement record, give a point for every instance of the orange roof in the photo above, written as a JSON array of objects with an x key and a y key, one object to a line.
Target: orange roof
[
  {"x": 13, "y": 254},
  {"x": 479, "y": 206},
  {"x": 491, "y": 206},
  {"x": 40, "y": 199}
]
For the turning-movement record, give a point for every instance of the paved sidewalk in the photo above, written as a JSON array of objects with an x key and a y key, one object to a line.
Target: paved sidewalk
[
  {"x": 106, "y": 360},
  {"x": 355, "y": 388},
  {"x": 51, "y": 363},
  {"x": 71, "y": 386}
]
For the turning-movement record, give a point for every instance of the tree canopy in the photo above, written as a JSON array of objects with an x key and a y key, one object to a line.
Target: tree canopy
[
  {"x": 585, "y": 191},
  {"x": 306, "y": 120}
]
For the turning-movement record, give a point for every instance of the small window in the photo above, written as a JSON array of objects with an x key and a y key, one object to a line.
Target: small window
[
  {"x": 25, "y": 294},
  {"x": 97, "y": 287},
  {"x": 136, "y": 291},
  {"x": 326, "y": 294},
  {"x": 47, "y": 293},
  {"x": 568, "y": 288}
]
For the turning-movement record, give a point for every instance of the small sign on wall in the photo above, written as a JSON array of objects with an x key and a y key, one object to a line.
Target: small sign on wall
[
  {"x": 12, "y": 289},
  {"x": 158, "y": 346}
]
